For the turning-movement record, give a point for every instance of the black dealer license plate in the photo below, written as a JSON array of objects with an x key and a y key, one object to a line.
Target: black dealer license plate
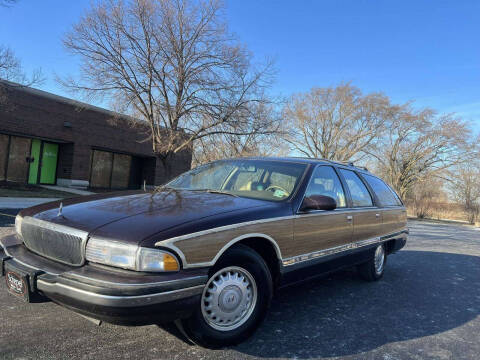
[{"x": 17, "y": 283}]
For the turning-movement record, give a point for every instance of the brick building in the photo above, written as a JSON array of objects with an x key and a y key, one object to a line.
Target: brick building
[{"x": 49, "y": 139}]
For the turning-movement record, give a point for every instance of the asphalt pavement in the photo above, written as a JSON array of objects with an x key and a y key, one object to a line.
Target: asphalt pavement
[
  {"x": 7, "y": 217},
  {"x": 426, "y": 306}
]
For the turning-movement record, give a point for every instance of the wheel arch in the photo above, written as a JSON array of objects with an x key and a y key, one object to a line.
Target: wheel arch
[{"x": 264, "y": 245}]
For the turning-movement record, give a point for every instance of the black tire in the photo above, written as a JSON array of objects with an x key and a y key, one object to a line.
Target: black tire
[
  {"x": 368, "y": 269},
  {"x": 199, "y": 331}
]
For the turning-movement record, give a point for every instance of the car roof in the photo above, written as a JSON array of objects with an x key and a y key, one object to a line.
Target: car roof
[{"x": 306, "y": 160}]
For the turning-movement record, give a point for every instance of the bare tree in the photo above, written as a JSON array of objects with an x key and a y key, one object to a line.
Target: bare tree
[
  {"x": 419, "y": 144},
  {"x": 9, "y": 63},
  {"x": 262, "y": 139},
  {"x": 174, "y": 64},
  {"x": 465, "y": 186},
  {"x": 336, "y": 123},
  {"x": 11, "y": 70},
  {"x": 425, "y": 195}
]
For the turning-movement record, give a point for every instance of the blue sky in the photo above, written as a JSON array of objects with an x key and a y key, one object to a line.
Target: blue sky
[{"x": 427, "y": 51}]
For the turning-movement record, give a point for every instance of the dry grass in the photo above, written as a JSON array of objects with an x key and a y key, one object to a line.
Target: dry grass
[{"x": 439, "y": 211}]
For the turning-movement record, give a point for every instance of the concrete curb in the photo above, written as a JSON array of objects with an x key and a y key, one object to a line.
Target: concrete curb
[{"x": 67, "y": 189}]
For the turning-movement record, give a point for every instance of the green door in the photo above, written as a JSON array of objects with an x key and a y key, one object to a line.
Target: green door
[
  {"x": 35, "y": 154},
  {"x": 48, "y": 169}
]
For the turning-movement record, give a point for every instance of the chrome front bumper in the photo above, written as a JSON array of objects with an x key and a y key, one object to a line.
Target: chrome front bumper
[{"x": 50, "y": 289}]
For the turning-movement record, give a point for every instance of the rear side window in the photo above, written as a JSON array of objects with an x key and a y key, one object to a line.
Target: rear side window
[
  {"x": 386, "y": 195},
  {"x": 358, "y": 190}
]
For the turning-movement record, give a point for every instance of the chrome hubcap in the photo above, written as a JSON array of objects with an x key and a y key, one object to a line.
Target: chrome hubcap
[
  {"x": 229, "y": 298},
  {"x": 379, "y": 259}
]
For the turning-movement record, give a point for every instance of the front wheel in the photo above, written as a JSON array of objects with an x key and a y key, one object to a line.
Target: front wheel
[
  {"x": 234, "y": 302},
  {"x": 373, "y": 269}
]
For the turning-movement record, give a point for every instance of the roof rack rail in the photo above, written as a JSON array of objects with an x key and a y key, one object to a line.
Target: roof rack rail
[{"x": 349, "y": 163}]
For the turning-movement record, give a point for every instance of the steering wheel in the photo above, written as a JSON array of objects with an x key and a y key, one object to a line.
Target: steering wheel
[{"x": 273, "y": 187}]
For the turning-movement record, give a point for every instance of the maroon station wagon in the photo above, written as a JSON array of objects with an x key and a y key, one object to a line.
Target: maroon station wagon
[{"x": 207, "y": 249}]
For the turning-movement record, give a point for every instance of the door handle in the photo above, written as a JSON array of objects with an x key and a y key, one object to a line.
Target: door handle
[{"x": 349, "y": 217}]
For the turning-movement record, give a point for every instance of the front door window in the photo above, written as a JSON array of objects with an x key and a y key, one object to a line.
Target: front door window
[{"x": 324, "y": 181}]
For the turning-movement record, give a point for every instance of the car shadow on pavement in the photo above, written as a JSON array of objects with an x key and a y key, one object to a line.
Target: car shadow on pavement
[{"x": 422, "y": 293}]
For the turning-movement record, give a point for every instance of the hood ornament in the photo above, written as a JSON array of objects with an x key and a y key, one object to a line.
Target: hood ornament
[{"x": 60, "y": 209}]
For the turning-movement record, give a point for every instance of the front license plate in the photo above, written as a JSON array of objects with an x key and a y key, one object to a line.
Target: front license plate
[{"x": 17, "y": 283}]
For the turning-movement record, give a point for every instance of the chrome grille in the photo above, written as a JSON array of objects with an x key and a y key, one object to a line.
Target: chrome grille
[{"x": 57, "y": 242}]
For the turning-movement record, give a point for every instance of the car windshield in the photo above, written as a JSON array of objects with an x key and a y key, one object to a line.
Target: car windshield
[{"x": 261, "y": 179}]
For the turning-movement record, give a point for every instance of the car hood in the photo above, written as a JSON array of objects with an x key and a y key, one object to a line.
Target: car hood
[{"x": 133, "y": 217}]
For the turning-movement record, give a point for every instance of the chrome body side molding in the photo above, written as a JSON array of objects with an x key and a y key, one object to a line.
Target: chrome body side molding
[{"x": 350, "y": 246}]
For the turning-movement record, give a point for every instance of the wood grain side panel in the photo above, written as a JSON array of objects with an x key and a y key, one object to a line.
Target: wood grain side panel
[
  {"x": 394, "y": 219},
  {"x": 204, "y": 248},
  {"x": 298, "y": 235},
  {"x": 319, "y": 232},
  {"x": 366, "y": 224}
]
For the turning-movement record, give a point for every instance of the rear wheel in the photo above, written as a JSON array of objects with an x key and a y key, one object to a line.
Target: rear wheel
[
  {"x": 373, "y": 269},
  {"x": 234, "y": 302}
]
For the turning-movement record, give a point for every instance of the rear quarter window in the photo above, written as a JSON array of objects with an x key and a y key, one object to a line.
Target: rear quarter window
[
  {"x": 358, "y": 191},
  {"x": 386, "y": 195}
]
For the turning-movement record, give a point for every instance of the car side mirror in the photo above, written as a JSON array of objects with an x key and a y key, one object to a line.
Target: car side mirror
[{"x": 318, "y": 202}]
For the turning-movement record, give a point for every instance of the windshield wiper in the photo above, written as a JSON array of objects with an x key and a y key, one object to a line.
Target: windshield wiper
[
  {"x": 221, "y": 192},
  {"x": 212, "y": 191}
]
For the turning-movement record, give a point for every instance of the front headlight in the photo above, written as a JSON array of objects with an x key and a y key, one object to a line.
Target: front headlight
[
  {"x": 18, "y": 224},
  {"x": 129, "y": 256}
]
